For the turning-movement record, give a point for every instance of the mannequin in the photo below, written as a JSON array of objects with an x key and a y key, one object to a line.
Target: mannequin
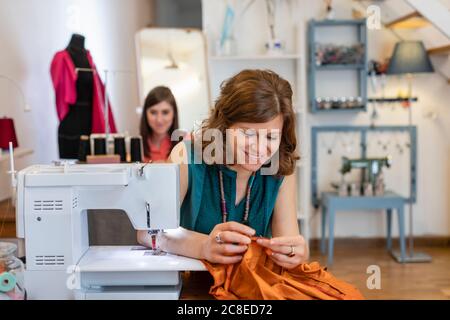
[
  {"x": 78, "y": 120},
  {"x": 79, "y": 97}
]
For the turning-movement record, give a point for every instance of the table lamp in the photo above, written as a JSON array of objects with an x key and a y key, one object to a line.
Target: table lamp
[
  {"x": 7, "y": 133},
  {"x": 410, "y": 57}
]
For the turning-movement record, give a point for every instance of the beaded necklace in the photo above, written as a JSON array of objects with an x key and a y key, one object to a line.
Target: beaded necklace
[{"x": 224, "y": 203}]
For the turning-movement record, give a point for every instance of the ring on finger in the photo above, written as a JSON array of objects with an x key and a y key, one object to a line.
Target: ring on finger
[
  {"x": 218, "y": 239},
  {"x": 292, "y": 253}
]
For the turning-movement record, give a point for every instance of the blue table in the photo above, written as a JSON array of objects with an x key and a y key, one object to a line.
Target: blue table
[{"x": 332, "y": 202}]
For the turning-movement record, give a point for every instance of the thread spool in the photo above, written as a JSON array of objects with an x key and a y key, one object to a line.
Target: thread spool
[
  {"x": 119, "y": 148},
  {"x": 7, "y": 282},
  {"x": 99, "y": 146},
  {"x": 136, "y": 149},
  {"x": 85, "y": 148}
]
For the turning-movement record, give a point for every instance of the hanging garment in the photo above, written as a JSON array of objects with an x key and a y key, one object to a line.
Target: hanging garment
[
  {"x": 257, "y": 277},
  {"x": 78, "y": 120},
  {"x": 64, "y": 77}
]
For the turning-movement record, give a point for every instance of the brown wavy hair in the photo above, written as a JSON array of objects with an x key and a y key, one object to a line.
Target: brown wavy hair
[
  {"x": 155, "y": 96},
  {"x": 257, "y": 96}
]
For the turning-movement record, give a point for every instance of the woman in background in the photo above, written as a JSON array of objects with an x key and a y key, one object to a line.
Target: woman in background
[{"x": 159, "y": 120}]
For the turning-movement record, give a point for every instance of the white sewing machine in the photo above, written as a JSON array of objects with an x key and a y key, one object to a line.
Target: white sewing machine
[{"x": 51, "y": 213}]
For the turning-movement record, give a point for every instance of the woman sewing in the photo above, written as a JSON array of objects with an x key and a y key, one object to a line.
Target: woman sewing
[
  {"x": 225, "y": 203},
  {"x": 159, "y": 120}
]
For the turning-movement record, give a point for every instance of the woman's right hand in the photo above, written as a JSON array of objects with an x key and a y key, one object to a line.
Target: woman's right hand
[{"x": 235, "y": 238}]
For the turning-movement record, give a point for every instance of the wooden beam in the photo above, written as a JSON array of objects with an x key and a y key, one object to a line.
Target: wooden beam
[
  {"x": 412, "y": 20},
  {"x": 436, "y": 12},
  {"x": 439, "y": 50}
]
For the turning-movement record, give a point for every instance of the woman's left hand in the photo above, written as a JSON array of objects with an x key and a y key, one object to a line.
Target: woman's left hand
[{"x": 287, "y": 252}]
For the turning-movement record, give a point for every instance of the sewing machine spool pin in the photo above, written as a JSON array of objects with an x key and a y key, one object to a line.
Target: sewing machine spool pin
[{"x": 12, "y": 171}]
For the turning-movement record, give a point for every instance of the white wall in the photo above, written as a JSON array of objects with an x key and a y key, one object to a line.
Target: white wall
[
  {"x": 432, "y": 210},
  {"x": 31, "y": 31}
]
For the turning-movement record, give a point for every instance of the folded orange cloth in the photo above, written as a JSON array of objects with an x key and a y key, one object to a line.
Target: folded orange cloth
[{"x": 257, "y": 277}]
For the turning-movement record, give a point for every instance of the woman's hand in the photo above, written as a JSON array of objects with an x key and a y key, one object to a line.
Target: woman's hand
[
  {"x": 227, "y": 242},
  {"x": 287, "y": 252}
]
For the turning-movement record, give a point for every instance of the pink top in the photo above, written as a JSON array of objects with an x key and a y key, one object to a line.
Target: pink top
[
  {"x": 64, "y": 79},
  {"x": 161, "y": 153}
]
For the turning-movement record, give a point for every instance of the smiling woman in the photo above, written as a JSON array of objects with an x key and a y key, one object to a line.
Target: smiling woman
[
  {"x": 224, "y": 204},
  {"x": 257, "y": 106}
]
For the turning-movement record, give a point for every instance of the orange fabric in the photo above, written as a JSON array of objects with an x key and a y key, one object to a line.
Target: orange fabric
[{"x": 257, "y": 277}]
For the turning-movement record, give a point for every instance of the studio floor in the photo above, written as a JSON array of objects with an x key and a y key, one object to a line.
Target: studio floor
[{"x": 398, "y": 281}]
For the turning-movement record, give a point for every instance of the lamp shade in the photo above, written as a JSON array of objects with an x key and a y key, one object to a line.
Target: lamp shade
[
  {"x": 409, "y": 57},
  {"x": 7, "y": 133}
]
